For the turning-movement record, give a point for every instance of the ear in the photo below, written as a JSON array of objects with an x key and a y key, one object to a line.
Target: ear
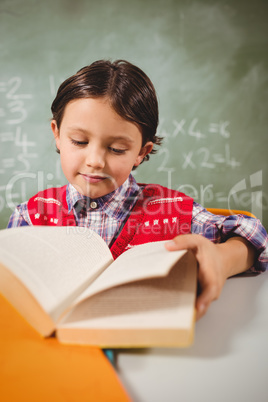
[
  {"x": 56, "y": 133},
  {"x": 145, "y": 150}
]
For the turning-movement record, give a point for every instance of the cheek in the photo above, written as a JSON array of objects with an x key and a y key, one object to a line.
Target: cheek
[
  {"x": 68, "y": 159},
  {"x": 122, "y": 165}
]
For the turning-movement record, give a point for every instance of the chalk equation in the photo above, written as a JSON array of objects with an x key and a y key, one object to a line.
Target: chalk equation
[
  {"x": 21, "y": 147},
  {"x": 15, "y": 109},
  {"x": 191, "y": 129},
  {"x": 17, "y": 150},
  {"x": 202, "y": 157}
]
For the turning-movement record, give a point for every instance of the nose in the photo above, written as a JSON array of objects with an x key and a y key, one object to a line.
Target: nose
[{"x": 95, "y": 157}]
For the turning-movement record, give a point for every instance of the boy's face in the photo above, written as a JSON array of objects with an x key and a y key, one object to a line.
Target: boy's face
[{"x": 98, "y": 148}]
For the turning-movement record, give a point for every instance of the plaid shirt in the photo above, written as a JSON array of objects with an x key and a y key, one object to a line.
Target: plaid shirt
[{"x": 105, "y": 216}]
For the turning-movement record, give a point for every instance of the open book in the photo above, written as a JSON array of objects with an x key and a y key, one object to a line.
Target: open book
[{"x": 63, "y": 280}]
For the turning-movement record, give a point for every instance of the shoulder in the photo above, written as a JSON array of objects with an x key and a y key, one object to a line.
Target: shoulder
[
  {"x": 50, "y": 195},
  {"x": 46, "y": 205},
  {"x": 163, "y": 193},
  {"x": 155, "y": 198},
  {"x": 42, "y": 202}
]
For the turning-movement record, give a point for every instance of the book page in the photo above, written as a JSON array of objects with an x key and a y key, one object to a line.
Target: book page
[
  {"x": 55, "y": 263},
  {"x": 144, "y": 261},
  {"x": 154, "y": 304}
]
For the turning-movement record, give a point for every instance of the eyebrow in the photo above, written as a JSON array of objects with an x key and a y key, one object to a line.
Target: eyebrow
[
  {"x": 74, "y": 128},
  {"x": 121, "y": 138}
]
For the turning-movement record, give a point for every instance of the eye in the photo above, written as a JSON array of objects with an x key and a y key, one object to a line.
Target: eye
[
  {"x": 117, "y": 151},
  {"x": 78, "y": 143}
]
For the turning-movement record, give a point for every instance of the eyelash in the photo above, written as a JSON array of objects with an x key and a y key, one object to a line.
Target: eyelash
[
  {"x": 78, "y": 143},
  {"x": 117, "y": 151},
  {"x": 114, "y": 150}
]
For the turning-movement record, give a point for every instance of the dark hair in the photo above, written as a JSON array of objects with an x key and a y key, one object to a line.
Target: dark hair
[{"x": 129, "y": 89}]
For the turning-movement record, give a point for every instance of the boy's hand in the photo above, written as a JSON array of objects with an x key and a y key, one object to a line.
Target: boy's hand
[{"x": 216, "y": 263}]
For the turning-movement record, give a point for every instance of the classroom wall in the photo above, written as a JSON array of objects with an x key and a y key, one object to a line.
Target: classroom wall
[{"x": 207, "y": 59}]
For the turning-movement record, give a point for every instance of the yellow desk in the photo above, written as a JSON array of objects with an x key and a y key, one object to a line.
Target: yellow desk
[{"x": 37, "y": 369}]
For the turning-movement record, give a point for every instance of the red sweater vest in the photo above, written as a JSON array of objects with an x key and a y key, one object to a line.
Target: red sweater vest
[{"x": 159, "y": 214}]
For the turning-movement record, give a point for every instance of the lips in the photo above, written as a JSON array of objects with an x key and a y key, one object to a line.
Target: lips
[{"x": 92, "y": 178}]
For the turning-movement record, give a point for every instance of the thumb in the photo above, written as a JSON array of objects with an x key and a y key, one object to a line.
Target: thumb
[
  {"x": 172, "y": 245},
  {"x": 181, "y": 242}
]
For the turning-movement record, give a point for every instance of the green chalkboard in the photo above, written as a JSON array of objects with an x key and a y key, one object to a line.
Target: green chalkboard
[{"x": 207, "y": 59}]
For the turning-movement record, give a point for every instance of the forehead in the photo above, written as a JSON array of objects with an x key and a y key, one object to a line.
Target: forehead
[{"x": 91, "y": 115}]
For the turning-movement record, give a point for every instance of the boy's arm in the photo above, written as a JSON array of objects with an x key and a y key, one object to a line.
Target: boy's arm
[
  {"x": 219, "y": 229},
  {"x": 216, "y": 262}
]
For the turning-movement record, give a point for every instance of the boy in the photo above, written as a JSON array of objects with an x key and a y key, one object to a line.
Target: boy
[{"x": 104, "y": 122}]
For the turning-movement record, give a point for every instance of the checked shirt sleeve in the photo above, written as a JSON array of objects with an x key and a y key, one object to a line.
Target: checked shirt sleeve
[
  {"x": 218, "y": 229},
  {"x": 20, "y": 217}
]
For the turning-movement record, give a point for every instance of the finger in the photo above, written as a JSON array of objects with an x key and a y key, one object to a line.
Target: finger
[
  {"x": 201, "y": 307},
  {"x": 203, "y": 302},
  {"x": 209, "y": 292},
  {"x": 182, "y": 242},
  {"x": 200, "y": 311}
]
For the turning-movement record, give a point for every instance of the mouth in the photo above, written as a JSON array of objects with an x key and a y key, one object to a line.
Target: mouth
[{"x": 93, "y": 178}]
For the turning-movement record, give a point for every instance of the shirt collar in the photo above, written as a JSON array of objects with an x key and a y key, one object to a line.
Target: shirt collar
[{"x": 116, "y": 204}]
